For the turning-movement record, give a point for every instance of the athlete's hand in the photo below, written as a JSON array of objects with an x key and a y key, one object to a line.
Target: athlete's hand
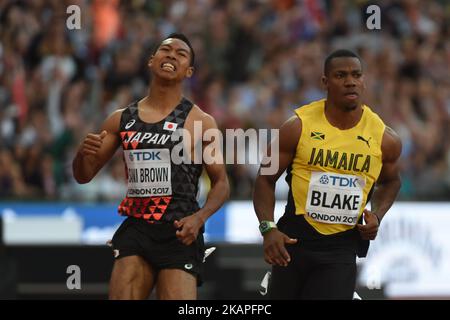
[
  {"x": 370, "y": 229},
  {"x": 188, "y": 228},
  {"x": 275, "y": 252},
  {"x": 92, "y": 143}
]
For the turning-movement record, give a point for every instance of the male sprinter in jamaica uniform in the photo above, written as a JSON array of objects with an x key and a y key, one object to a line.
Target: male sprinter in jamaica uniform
[
  {"x": 338, "y": 154},
  {"x": 161, "y": 242}
]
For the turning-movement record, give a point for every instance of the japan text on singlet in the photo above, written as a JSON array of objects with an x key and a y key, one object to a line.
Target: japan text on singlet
[
  {"x": 158, "y": 189},
  {"x": 334, "y": 170}
]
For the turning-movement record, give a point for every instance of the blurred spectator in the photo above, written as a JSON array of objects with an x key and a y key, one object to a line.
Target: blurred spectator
[{"x": 255, "y": 62}]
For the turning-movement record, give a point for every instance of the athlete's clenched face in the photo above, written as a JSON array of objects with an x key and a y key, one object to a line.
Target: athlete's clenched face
[
  {"x": 344, "y": 81},
  {"x": 171, "y": 60}
]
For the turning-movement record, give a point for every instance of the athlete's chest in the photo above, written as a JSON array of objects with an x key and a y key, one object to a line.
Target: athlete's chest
[
  {"x": 138, "y": 133},
  {"x": 340, "y": 151},
  {"x": 146, "y": 136}
]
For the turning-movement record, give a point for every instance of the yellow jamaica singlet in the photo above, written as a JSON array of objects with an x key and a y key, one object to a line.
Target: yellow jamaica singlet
[{"x": 334, "y": 170}]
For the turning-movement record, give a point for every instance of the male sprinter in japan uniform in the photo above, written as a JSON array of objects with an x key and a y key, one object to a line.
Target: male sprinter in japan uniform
[
  {"x": 161, "y": 242},
  {"x": 338, "y": 154}
]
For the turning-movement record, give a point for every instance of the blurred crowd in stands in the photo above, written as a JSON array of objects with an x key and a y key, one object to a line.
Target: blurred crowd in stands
[{"x": 256, "y": 61}]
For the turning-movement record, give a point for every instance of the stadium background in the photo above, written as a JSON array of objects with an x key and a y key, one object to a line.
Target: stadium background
[{"x": 255, "y": 62}]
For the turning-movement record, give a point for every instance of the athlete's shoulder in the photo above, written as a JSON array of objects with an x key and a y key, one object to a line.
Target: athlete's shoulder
[
  {"x": 112, "y": 122},
  {"x": 115, "y": 115},
  {"x": 312, "y": 109},
  {"x": 373, "y": 115},
  {"x": 290, "y": 133},
  {"x": 293, "y": 122},
  {"x": 118, "y": 112},
  {"x": 114, "y": 118},
  {"x": 391, "y": 145},
  {"x": 131, "y": 107},
  {"x": 197, "y": 114}
]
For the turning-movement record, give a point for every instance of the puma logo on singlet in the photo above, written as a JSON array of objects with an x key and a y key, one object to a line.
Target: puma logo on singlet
[{"x": 366, "y": 141}]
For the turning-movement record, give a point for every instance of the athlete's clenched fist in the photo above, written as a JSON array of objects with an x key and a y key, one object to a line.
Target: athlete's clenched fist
[{"x": 92, "y": 143}]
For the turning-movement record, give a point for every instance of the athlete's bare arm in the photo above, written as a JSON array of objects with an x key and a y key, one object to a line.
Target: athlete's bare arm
[
  {"x": 387, "y": 185},
  {"x": 97, "y": 149},
  {"x": 220, "y": 189},
  {"x": 264, "y": 194}
]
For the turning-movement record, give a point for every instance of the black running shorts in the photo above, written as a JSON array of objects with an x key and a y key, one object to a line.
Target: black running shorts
[
  {"x": 159, "y": 246},
  {"x": 315, "y": 274}
]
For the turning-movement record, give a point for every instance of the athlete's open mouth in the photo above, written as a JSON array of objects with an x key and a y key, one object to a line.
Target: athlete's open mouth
[{"x": 168, "y": 66}]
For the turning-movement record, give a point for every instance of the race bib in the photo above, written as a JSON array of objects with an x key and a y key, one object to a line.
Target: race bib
[
  {"x": 335, "y": 198},
  {"x": 149, "y": 172}
]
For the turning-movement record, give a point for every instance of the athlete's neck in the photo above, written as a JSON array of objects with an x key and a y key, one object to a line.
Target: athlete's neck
[
  {"x": 163, "y": 98},
  {"x": 342, "y": 118}
]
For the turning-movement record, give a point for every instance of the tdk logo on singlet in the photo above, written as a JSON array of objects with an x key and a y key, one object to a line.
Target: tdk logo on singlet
[
  {"x": 339, "y": 181},
  {"x": 144, "y": 155}
]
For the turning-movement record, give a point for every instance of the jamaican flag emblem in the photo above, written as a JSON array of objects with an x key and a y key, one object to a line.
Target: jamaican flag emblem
[{"x": 317, "y": 135}]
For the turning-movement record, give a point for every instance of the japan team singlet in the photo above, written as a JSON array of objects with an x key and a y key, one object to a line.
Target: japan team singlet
[{"x": 158, "y": 189}]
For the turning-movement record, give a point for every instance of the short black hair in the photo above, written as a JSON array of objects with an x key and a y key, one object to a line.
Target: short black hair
[
  {"x": 183, "y": 38},
  {"x": 341, "y": 53}
]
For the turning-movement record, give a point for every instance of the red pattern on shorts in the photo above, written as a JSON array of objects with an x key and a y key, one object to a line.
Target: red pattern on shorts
[{"x": 151, "y": 209}]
